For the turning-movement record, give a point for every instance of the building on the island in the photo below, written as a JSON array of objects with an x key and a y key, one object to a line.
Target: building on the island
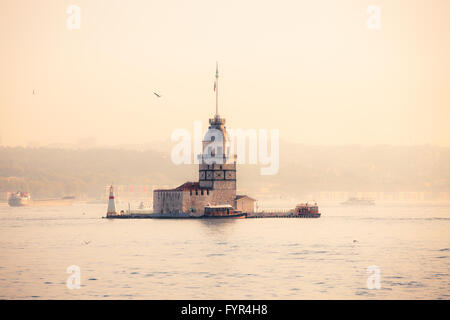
[{"x": 244, "y": 203}]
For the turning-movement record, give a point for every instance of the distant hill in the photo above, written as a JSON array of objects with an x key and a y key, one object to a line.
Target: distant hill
[
  {"x": 83, "y": 173},
  {"x": 53, "y": 172}
]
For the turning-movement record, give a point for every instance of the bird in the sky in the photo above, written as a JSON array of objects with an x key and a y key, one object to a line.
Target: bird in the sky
[
  {"x": 86, "y": 242},
  {"x": 33, "y": 92},
  {"x": 157, "y": 95}
]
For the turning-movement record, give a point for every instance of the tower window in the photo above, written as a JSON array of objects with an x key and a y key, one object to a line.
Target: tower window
[
  {"x": 207, "y": 192},
  {"x": 202, "y": 191},
  {"x": 196, "y": 192}
]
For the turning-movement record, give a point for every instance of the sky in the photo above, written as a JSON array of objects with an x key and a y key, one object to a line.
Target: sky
[{"x": 312, "y": 69}]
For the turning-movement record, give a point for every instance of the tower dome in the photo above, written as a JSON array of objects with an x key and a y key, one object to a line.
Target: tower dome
[{"x": 216, "y": 143}]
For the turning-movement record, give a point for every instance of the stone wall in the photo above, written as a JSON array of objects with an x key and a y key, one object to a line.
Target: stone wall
[
  {"x": 197, "y": 200},
  {"x": 175, "y": 201},
  {"x": 190, "y": 201},
  {"x": 221, "y": 179},
  {"x": 167, "y": 201}
]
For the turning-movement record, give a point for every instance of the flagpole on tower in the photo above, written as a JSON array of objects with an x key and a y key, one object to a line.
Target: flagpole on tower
[{"x": 217, "y": 90}]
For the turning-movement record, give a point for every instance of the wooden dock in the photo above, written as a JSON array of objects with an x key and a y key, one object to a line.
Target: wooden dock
[{"x": 281, "y": 214}]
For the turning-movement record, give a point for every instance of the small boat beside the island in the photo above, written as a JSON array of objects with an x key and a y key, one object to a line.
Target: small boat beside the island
[
  {"x": 354, "y": 201},
  {"x": 222, "y": 212},
  {"x": 305, "y": 210}
]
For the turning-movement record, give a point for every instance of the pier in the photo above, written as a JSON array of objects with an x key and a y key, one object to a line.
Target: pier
[
  {"x": 291, "y": 214},
  {"x": 254, "y": 215}
]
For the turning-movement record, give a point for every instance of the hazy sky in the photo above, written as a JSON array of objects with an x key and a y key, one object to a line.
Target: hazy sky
[{"x": 309, "y": 68}]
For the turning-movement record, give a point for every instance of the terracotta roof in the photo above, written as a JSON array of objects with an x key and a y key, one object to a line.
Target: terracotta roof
[
  {"x": 184, "y": 187},
  {"x": 243, "y": 196},
  {"x": 188, "y": 186}
]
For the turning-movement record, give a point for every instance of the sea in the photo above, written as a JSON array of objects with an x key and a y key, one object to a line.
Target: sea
[{"x": 388, "y": 251}]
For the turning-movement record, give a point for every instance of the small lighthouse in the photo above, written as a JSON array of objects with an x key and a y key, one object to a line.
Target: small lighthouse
[{"x": 111, "y": 203}]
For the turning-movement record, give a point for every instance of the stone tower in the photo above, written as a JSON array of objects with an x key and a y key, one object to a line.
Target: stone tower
[{"x": 217, "y": 168}]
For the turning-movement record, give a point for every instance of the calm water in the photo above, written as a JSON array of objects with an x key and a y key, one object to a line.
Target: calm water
[{"x": 235, "y": 259}]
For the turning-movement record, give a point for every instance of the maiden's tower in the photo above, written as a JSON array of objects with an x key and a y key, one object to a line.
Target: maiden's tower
[{"x": 216, "y": 185}]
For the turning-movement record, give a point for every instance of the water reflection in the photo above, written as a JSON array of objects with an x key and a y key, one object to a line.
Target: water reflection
[{"x": 215, "y": 228}]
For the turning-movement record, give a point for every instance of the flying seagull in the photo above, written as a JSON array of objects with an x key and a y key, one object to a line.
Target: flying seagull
[
  {"x": 86, "y": 242},
  {"x": 157, "y": 95}
]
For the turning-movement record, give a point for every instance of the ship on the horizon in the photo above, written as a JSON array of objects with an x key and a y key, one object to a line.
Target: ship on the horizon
[
  {"x": 19, "y": 199},
  {"x": 23, "y": 199},
  {"x": 354, "y": 201}
]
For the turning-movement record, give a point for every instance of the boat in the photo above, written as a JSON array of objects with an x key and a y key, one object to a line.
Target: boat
[
  {"x": 223, "y": 211},
  {"x": 354, "y": 201},
  {"x": 19, "y": 199},
  {"x": 22, "y": 199},
  {"x": 306, "y": 210}
]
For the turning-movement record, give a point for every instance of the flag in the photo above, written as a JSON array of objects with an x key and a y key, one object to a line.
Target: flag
[{"x": 217, "y": 77}]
